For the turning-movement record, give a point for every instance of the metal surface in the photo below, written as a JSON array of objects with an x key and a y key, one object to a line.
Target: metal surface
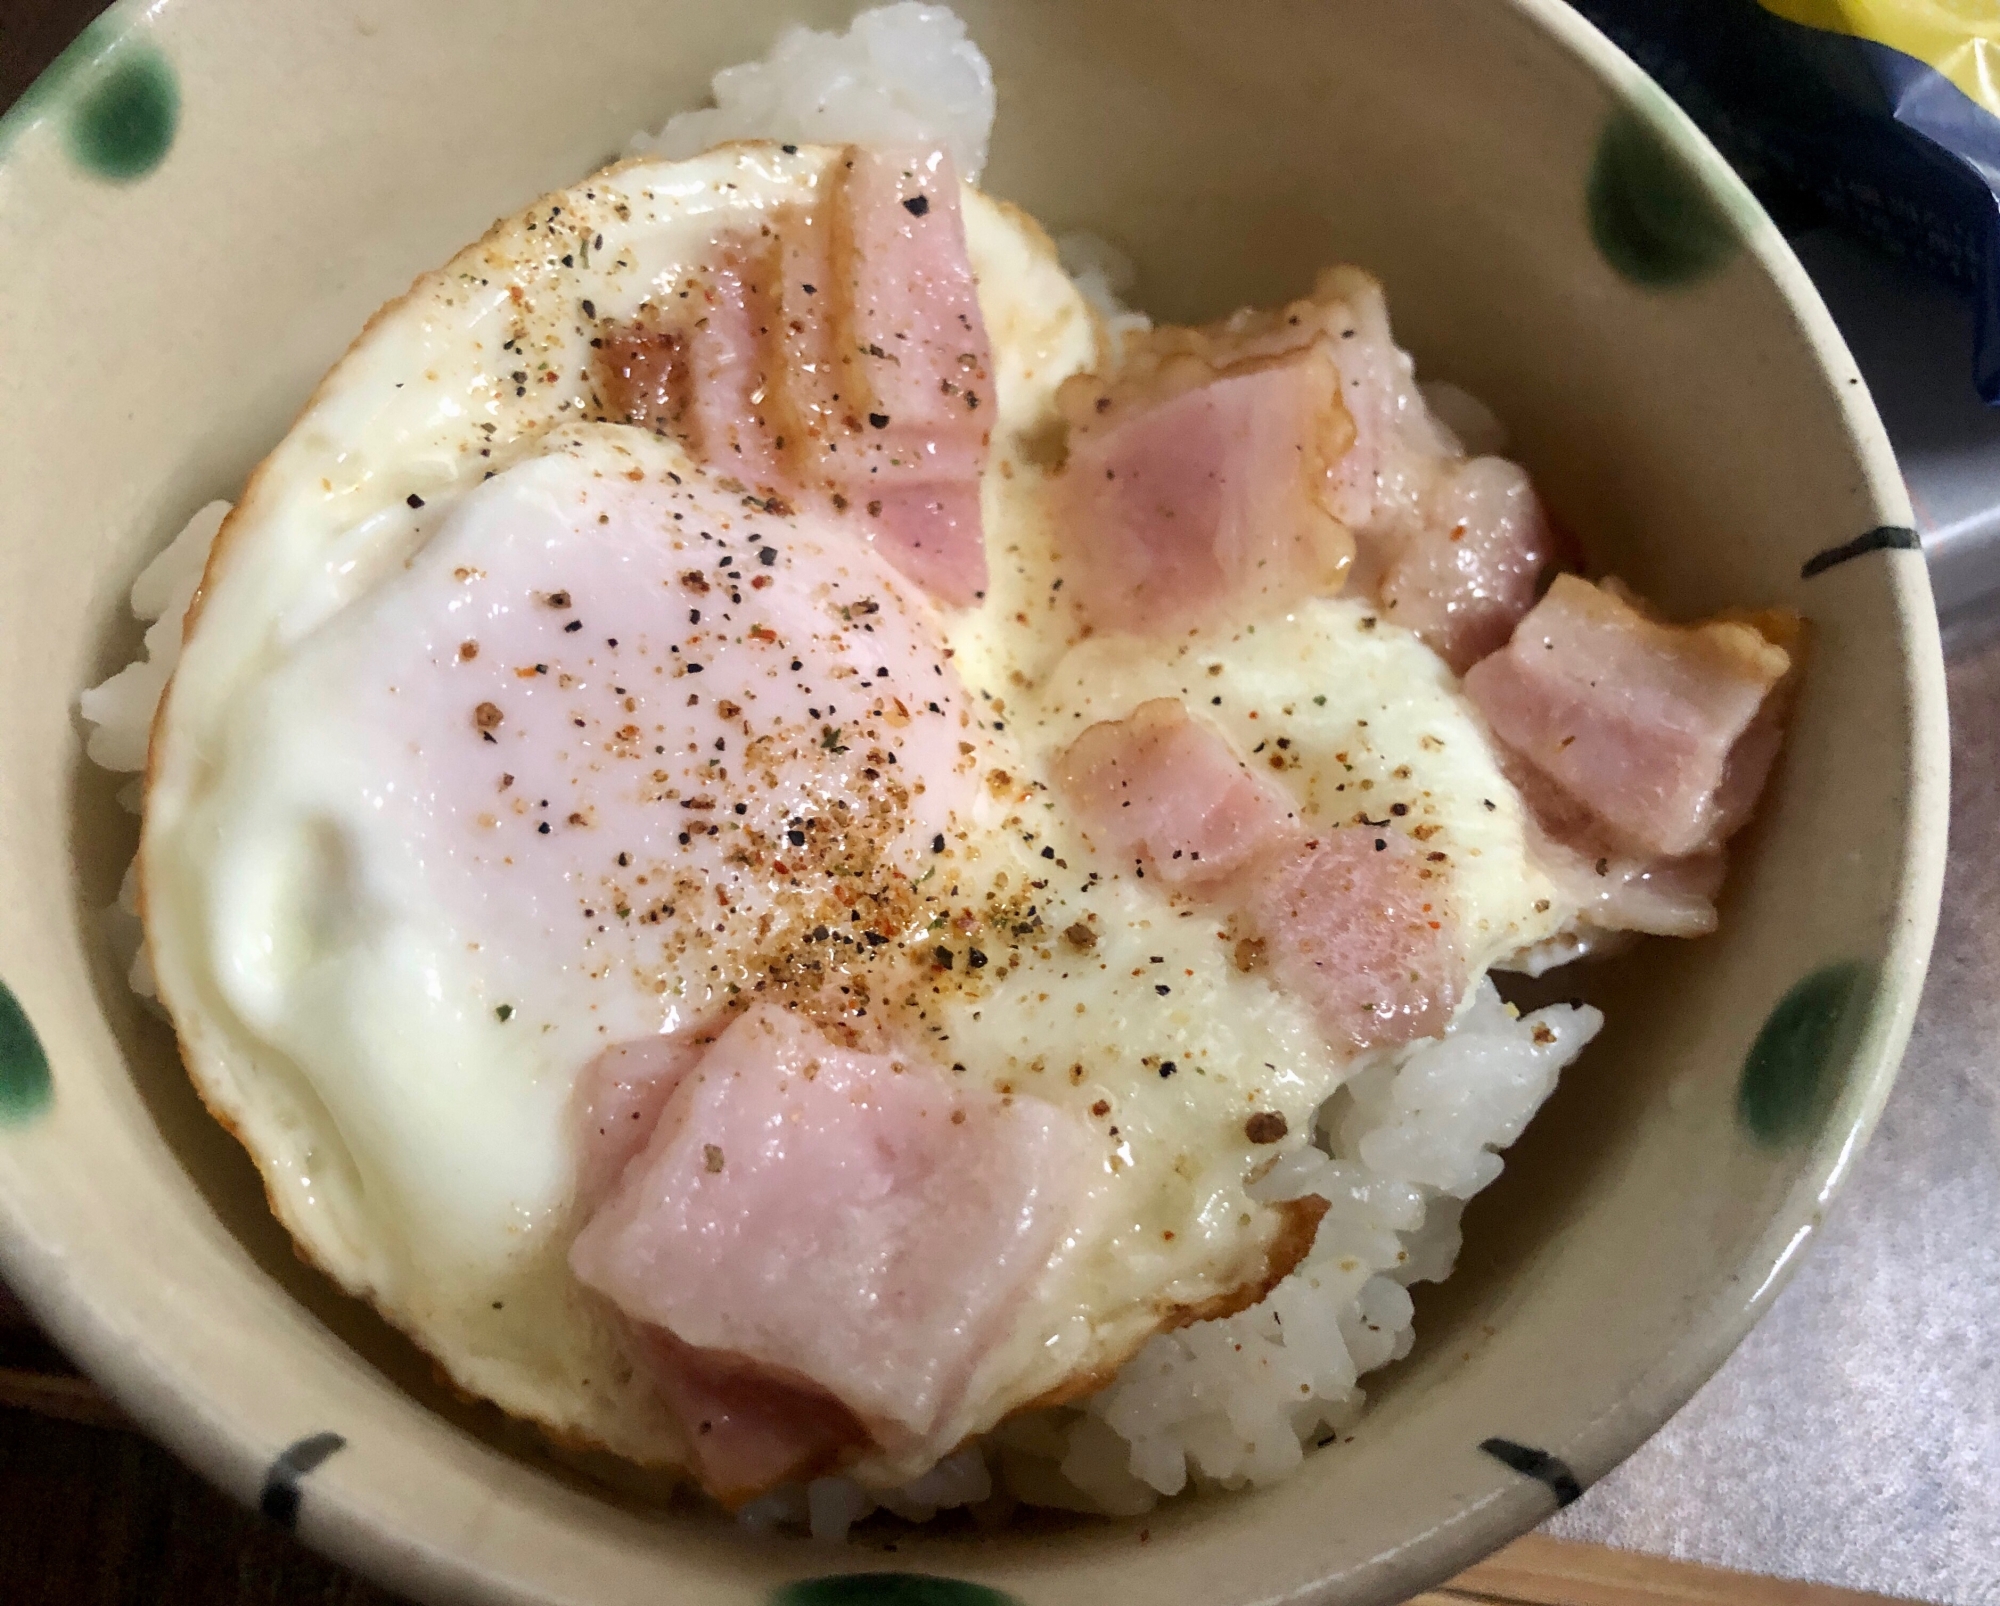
[{"x": 1913, "y": 341}]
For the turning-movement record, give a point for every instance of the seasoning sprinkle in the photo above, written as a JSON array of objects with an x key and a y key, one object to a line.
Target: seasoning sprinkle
[{"x": 1266, "y": 1126}]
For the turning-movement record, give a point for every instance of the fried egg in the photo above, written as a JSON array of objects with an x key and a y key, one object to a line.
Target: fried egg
[{"x": 510, "y": 734}]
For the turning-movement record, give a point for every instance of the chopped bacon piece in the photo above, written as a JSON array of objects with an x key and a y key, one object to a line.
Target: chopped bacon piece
[
  {"x": 1280, "y": 455},
  {"x": 921, "y": 370},
  {"x": 851, "y": 1223},
  {"x": 1354, "y": 924},
  {"x": 1469, "y": 572},
  {"x": 696, "y": 369},
  {"x": 1452, "y": 548},
  {"x": 1161, "y": 784},
  {"x": 617, "y": 1101},
  {"x": 726, "y": 426},
  {"x": 1171, "y": 511},
  {"x": 748, "y": 1430},
  {"x": 1662, "y": 733},
  {"x": 843, "y": 360},
  {"x": 1614, "y": 886}
]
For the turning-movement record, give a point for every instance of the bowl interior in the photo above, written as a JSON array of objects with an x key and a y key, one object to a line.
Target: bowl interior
[{"x": 1552, "y": 236}]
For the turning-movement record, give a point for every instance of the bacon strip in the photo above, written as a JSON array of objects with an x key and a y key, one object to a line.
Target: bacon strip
[
  {"x": 1351, "y": 922},
  {"x": 849, "y": 1224},
  {"x": 748, "y": 1430},
  {"x": 1163, "y": 786},
  {"x": 1663, "y": 734},
  {"x": 1172, "y": 512},
  {"x": 1354, "y": 925},
  {"x": 842, "y": 360},
  {"x": 1467, "y": 574}
]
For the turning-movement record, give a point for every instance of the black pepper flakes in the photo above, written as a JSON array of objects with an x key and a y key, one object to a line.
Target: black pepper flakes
[
  {"x": 917, "y": 205},
  {"x": 414, "y": 500},
  {"x": 1266, "y": 1126}
]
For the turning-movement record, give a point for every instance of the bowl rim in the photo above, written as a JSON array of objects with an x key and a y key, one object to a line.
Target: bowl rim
[{"x": 185, "y": 1412}]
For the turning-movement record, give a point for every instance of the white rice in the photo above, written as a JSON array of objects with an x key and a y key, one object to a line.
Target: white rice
[
  {"x": 120, "y": 712},
  {"x": 1396, "y": 1152},
  {"x": 901, "y": 75}
]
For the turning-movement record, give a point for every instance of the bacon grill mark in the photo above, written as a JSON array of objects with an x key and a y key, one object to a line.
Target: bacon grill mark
[
  {"x": 643, "y": 374},
  {"x": 839, "y": 356}
]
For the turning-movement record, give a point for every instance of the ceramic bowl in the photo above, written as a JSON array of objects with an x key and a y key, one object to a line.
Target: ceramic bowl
[{"x": 205, "y": 199}]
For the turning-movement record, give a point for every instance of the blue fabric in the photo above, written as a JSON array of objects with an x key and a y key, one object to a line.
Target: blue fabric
[{"x": 1875, "y": 141}]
